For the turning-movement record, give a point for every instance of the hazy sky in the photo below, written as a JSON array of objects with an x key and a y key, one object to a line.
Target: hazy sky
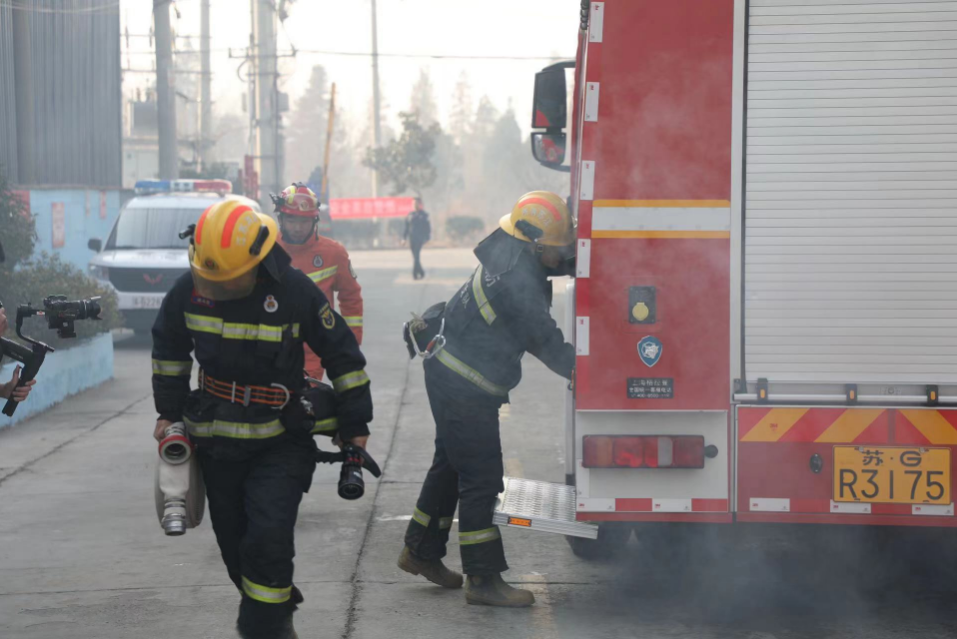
[{"x": 434, "y": 27}]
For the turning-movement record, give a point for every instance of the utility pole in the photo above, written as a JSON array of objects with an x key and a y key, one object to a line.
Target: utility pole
[
  {"x": 324, "y": 190},
  {"x": 267, "y": 123},
  {"x": 205, "y": 89},
  {"x": 376, "y": 100},
  {"x": 165, "y": 97}
]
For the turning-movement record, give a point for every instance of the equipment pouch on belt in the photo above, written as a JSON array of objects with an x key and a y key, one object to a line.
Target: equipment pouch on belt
[{"x": 424, "y": 330}]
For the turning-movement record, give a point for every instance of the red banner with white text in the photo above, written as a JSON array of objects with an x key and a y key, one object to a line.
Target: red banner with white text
[{"x": 370, "y": 207}]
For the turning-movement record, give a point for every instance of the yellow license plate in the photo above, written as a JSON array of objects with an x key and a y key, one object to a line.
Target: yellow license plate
[{"x": 891, "y": 475}]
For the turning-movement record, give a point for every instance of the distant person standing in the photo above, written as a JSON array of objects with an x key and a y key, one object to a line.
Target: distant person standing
[{"x": 418, "y": 231}]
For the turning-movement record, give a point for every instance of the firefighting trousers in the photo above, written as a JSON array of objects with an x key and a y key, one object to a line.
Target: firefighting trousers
[
  {"x": 253, "y": 505},
  {"x": 466, "y": 471}
]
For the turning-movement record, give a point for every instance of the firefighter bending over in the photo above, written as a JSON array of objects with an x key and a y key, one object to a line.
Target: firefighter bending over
[
  {"x": 244, "y": 313},
  {"x": 324, "y": 260},
  {"x": 498, "y": 315}
]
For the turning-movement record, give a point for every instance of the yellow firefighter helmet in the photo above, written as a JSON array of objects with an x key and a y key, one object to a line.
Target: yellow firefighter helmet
[
  {"x": 229, "y": 241},
  {"x": 545, "y": 211}
]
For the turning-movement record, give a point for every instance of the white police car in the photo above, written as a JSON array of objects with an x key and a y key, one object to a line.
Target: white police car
[{"x": 144, "y": 254}]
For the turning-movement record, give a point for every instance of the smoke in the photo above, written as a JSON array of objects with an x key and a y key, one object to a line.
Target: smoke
[{"x": 775, "y": 581}]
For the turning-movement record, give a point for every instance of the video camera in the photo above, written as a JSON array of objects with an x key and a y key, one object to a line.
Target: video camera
[{"x": 61, "y": 314}]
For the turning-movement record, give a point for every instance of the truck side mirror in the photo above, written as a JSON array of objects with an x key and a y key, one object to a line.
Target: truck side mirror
[
  {"x": 95, "y": 244},
  {"x": 549, "y": 104},
  {"x": 549, "y": 149}
]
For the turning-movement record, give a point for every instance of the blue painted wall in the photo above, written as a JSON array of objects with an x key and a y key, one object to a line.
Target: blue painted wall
[
  {"x": 64, "y": 373},
  {"x": 82, "y": 220}
]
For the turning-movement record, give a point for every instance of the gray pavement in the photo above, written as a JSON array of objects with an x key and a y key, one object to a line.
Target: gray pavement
[{"x": 82, "y": 556}]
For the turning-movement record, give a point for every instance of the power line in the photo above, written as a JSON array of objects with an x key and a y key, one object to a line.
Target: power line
[{"x": 432, "y": 56}]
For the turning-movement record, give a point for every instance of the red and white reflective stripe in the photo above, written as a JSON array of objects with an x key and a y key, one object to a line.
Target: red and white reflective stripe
[
  {"x": 817, "y": 506},
  {"x": 654, "y": 505}
]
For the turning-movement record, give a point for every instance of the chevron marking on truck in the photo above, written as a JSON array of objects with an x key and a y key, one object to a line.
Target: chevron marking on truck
[
  {"x": 819, "y": 425},
  {"x": 933, "y": 425}
]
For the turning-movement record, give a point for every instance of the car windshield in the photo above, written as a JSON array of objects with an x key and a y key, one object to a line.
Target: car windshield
[{"x": 152, "y": 228}]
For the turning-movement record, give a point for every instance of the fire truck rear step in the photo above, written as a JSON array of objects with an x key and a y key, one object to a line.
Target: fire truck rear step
[{"x": 541, "y": 506}]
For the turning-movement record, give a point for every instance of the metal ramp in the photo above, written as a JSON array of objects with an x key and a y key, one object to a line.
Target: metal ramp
[{"x": 541, "y": 506}]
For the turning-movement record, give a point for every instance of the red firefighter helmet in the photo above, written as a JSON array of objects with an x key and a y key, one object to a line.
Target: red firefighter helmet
[{"x": 297, "y": 200}]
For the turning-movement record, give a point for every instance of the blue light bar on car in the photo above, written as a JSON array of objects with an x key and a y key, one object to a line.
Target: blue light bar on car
[
  {"x": 151, "y": 187},
  {"x": 147, "y": 187}
]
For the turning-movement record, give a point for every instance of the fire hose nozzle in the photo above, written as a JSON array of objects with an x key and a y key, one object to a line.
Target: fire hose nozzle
[
  {"x": 175, "y": 448},
  {"x": 174, "y": 519}
]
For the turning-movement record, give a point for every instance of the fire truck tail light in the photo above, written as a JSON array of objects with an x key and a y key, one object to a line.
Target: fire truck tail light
[
  {"x": 606, "y": 451},
  {"x": 596, "y": 452},
  {"x": 628, "y": 452}
]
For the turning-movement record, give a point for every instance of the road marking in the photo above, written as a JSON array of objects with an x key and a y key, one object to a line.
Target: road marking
[{"x": 542, "y": 613}]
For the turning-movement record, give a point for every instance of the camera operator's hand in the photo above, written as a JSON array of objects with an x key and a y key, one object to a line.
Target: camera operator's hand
[
  {"x": 10, "y": 390},
  {"x": 3, "y": 321},
  {"x": 160, "y": 431}
]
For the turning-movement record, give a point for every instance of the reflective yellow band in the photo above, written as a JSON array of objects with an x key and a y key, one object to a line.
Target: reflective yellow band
[
  {"x": 203, "y": 324},
  {"x": 325, "y": 425},
  {"x": 469, "y": 373},
  {"x": 478, "y": 537},
  {"x": 172, "y": 368},
  {"x": 324, "y": 274},
  {"x": 266, "y": 594},
  {"x": 235, "y": 430},
  {"x": 420, "y": 517},
  {"x": 232, "y": 330},
  {"x": 350, "y": 381},
  {"x": 445, "y": 523},
  {"x": 353, "y": 320},
  {"x": 484, "y": 307},
  {"x": 261, "y": 332}
]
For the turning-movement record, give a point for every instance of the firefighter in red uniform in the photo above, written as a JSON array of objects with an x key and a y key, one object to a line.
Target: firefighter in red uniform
[{"x": 324, "y": 260}]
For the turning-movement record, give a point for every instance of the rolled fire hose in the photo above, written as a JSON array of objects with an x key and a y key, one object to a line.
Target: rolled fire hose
[{"x": 180, "y": 493}]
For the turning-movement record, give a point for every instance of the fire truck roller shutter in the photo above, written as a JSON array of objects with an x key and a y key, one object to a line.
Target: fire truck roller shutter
[{"x": 851, "y": 194}]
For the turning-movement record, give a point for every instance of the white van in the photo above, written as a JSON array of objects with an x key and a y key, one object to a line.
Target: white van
[{"x": 144, "y": 254}]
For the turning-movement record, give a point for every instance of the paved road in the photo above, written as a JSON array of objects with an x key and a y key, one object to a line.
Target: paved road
[{"x": 82, "y": 557}]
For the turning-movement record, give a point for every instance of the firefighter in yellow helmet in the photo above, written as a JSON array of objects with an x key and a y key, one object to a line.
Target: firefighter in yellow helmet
[
  {"x": 497, "y": 316},
  {"x": 244, "y": 315}
]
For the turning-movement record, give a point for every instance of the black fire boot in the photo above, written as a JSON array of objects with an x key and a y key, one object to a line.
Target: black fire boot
[{"x": 265, "y": 621}]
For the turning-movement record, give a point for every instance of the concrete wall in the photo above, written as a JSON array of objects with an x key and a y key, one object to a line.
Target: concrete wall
[
  {"x": 64, "y": 373},
  {"x": 72, "y": 217}
]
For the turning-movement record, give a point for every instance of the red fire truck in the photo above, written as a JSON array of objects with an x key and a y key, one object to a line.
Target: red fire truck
[{"x": 765, "y": 309}]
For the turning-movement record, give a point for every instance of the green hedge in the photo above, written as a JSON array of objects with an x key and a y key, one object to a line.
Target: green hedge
[
  {"x": 25, "y": 279},
  {"x": 462, "y": 229},
  {"x": 48, "y": 275},
  {"x": 362, "y": 234}
]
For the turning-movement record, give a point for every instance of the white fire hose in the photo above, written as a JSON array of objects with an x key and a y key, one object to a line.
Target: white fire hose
[{"x": 179, "y": 489}]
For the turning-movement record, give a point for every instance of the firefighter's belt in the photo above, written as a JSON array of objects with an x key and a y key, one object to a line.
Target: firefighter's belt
[{"x": 275, "y": 395}]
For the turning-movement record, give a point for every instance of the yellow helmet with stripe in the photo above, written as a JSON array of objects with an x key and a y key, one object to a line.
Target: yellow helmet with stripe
[
  {"x": 547, "y": 213},
  {"x": 229, "y": 241}
]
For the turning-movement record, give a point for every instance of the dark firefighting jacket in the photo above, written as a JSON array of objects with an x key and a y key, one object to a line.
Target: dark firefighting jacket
[
  {"x": 256, "y": 341},
  {"x": 499, "y": 314}
]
